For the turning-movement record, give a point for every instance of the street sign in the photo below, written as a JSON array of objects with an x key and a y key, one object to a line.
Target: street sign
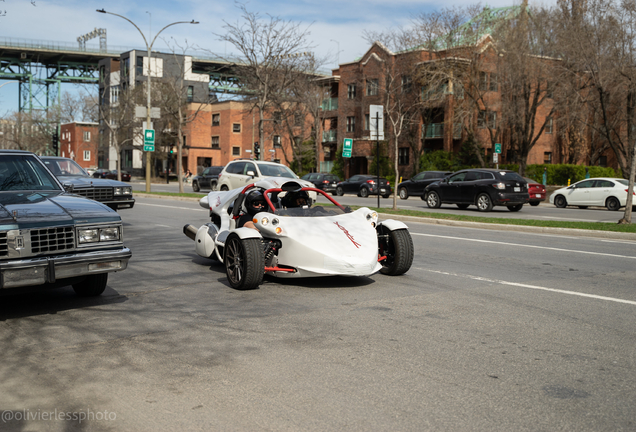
[
  {"x": 495, "y": 158},
  {"x": 376, "y": 122},
  {"x": 497, "y": 148},
  {"x": 149, "y": 140},
  {"x": 347, "y": 147}
]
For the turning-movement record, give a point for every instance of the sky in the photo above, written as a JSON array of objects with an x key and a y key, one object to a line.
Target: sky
[{"x": 335, "y": 26}]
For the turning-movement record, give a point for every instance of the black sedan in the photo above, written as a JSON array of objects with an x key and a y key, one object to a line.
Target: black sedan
[
  {"x": 207, "y": 179},
  {"x": 483, "y": 188},
  {"x": 415, "y": 185},
  {"x": 325, "y": 181},
  {"x": 113, "y": 193},
  {"x": 364, "y": 185}
]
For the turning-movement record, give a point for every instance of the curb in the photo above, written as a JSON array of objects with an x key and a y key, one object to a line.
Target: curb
[{"x": 479, "y": 225}]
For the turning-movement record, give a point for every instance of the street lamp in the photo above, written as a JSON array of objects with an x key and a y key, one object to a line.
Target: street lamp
[
  {"x": 338, "y": 53},
  {"x": 149, "y": 51}
]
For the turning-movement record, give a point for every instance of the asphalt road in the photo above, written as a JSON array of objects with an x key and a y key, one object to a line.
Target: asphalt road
[{"x": 488, "y": 331}]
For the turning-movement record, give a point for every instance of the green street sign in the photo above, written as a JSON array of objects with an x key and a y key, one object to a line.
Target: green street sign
[
  {"x": 347, "y": 147},
  {"x": 497, "y": 148},
  {"x": 149, "y": 147},
  {"x": 149, "y": 137}
]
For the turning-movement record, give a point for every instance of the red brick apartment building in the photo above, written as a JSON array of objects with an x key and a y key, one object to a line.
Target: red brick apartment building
[{"x": 78, "y": 141}]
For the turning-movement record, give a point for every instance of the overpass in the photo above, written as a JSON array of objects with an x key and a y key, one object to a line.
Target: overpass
[{"x": 41, "y": 67}]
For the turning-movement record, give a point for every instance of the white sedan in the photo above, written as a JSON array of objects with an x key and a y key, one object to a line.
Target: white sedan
[{"x": 604, "y": 192}]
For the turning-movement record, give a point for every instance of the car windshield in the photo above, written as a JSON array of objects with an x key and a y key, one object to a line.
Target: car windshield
[
  {"x": 64, "y": 167},
  {"x": 268, "y": 170},
  {"x": 24, "y": 172}
]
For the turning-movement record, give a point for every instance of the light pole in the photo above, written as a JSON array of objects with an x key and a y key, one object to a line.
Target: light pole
[
  {"x": 338, "y": 53},
  {"x": 148, "y": 89}
]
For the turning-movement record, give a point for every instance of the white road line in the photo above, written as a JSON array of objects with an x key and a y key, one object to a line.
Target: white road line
[
  {"x": 527, "y": 246},
  {"x": 171, "y": 207},
  {"x": 535, "y": 287}
]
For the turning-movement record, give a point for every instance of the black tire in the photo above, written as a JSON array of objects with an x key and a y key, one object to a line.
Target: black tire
[
  {"x": 398, "y": 249},
  {"x": 195, "y": 186},
  {"x": 432, "y": 200},
  {"x": 404, "y": 193},
  {"x": 92, "y": 286},
  {"x": 224, "y": 188},
  {"x": 515, "y": 208},
  {"x": 244, "y": 262},
  {"x": 612, "y": 204},
  {"x": 484, "y": 203},
  {"x": 535, "y": 203},
  {"x": 462, "y": 206},
  {"x": 560, "y": 201},
  {"x": 582, "y": 207},
  {"x": 386, "y": 196},
  {"x": 339, "y": 191},
  {"x": 364, "y": 192}
]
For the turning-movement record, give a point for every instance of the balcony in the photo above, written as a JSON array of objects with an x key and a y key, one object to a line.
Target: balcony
[
  {"x": 434, "y": 130},
  {"x": 329, "y": 104},
  {"x": 329, "y": 136}
]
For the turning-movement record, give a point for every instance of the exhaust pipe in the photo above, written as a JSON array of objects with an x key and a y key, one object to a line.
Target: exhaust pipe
[{"x": 190, "y": 231}]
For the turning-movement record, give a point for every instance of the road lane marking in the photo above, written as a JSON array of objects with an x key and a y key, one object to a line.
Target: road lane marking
[
  {"x": 528, "y": 246},
  {"x": 535, "y": 287},
  {"x": 171, "y": 207}
]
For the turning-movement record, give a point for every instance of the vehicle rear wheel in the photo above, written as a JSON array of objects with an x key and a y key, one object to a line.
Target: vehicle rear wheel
[
  {"x": 612, "y": 204},
  {"x": 92, "y": 286},
  {"x": 535, "y": 203},
  {"x": 339, "y": 191},
  {"x": 386, "y": 196},
  {"x": 560, "y": 201},
  {"x": 484, "y": 203},
  {"x": 432, "y": 200},
  {"x": 515, "y": 208},
  {"x": 404, "y": 194},
  {"x": 195, "y": 186},
  {"x": 244, "y": 262},
  {"x": 364, "y": 192},
  {"x": 462, "y": 206},
  {"x": 397, "y": 246},
  {"x": 224, "y": 188}
]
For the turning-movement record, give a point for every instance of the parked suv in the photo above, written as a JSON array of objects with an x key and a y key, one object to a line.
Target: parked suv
[
  {"x": 207, "y": 179},
  {"x": 240, "y": 173},
  {"x": 484, "y": 188},
  {"x": 364, "y": 185}
]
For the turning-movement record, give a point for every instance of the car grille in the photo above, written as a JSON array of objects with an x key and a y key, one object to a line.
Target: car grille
[
  {"x": 52, "y": 239},
  {"x": 4, "y": 249},
  {"x": 97, "y": 194}
]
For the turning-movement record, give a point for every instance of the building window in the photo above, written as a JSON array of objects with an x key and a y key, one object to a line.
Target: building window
[
  {"x": 547, "y": 157},
  {"x": 216, "y": 119},
  {"x": 351, "y": 124},
  {"x": 298, "y": 119},
  {"x": 549, "y": 90},
  {"x": 190, "y": 96},
  {"x": 87, "y": 136},
  {"x": 236, "y": 151},
  {"x": 277, "y": 117},
  {"x": 185, "y": 141},
  {"x": 487, "y": 119},
  {"x": 277, "y": 142},
  {"x": 458, "y": 90},
  {"x": 406, "y": 84},
  {"x": 351, "y": 91},
  {"x": 236, "y": 128},
  {"x": 549, "y": 125},
  {"x": 215, "y": 142},
  {"x": 87, "y": 155},
  {"x": 483, "y": 81},
  {"x": 366, "y": 122},
  {"x": 403, "y": 156},
  {"x": 372, "y": 87},
  {"x": 114, "y": 94},
  {"x": 139, "y": 66},
  {"x": 494, "y": 85},
  {"x": 602, "y": 161}
]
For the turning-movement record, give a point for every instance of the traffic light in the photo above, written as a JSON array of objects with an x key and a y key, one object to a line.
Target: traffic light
[
  {"x": 55, "y": 142},
  {"x": 257, "y": 151}
]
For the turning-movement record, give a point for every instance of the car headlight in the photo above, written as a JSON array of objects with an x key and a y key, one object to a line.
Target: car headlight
[
  {"x": 126, "y": 191},
  {"x": 94, "y": 235},
  {"x": 118, "y": 191}
]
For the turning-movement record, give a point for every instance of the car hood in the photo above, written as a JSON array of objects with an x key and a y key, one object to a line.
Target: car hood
[
  {"x": 85, "y": 182},
  {"x": 51, "y": 208}
]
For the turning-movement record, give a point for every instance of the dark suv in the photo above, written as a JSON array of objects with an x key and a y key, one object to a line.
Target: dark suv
[
  {"x": 207, "y": 179},
  {"x": 324, "y": 181},
  {"x": 416, "y": 184},
  {"x": 484, "y": 188}
]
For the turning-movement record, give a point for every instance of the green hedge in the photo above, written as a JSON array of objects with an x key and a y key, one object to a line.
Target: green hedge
[{"x": 559, "y": 174}]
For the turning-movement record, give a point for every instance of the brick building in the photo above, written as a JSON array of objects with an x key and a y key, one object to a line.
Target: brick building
[{"x": 79, "y": 141}]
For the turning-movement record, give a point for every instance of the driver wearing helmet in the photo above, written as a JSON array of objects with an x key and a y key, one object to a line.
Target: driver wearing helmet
[
  {"x": 299, "y": 199},
  {"x": 254, "y": 203}
]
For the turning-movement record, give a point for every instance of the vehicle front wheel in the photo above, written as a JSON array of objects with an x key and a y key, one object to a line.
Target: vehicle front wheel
[
  {"x": 244, "y": 262},
  {"x": 195, "y": 186},
  {"x": 432, "y": 200},
  {"x": 397, "y": 247},
  {"x": 515, "y": 208},
  {"x": 484, "y": 203},
  {"x": 339, "y": 191},
  {"x": 364, "y": 192},
  {"x": 404, "y": 194},
  {"x": 92, "y": 286},
  {"x": 560, "y": 201},
  {"x": 612, "y": 204}
]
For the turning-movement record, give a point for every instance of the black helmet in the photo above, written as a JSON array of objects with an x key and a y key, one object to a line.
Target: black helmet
[
  {"x": 296, "y": 199},
  {"x": 255, "y": 202}
]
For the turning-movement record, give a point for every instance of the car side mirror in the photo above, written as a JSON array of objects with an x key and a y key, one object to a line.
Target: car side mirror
[
  {"x": 68, "y": 187},
  {"x": 251, "y": 174},
  {"x": 572, "y": 187}
]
